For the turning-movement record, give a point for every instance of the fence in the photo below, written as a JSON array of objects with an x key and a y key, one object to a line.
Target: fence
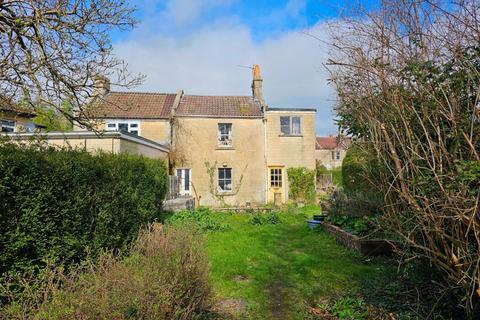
[{"x": 173, "y": 188}]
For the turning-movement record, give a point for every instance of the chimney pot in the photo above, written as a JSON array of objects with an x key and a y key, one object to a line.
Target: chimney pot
[{"x": 257, "y": 91}]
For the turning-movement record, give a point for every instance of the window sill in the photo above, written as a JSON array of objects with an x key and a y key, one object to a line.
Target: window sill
[
  {"x": 290, "y": 135},
  {"x": 225, "y": 193}
]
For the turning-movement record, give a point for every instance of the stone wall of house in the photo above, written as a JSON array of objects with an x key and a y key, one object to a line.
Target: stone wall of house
[
  {"x": 196, "y": 147},
  {"x": 155, "y": 130},
  {"x": 290, "y": 151}
]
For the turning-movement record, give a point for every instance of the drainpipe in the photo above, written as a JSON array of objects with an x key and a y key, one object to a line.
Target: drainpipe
[
  {"x": 173, "y": 111},
  {"x": 265, "y": 157}
]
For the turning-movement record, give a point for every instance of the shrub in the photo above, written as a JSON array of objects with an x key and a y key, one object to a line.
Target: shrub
[
  {"x": 202, "y": 218},
  {"x": 165, "y": 276},
  {"x": 301, "y": 184},
  {"x": 358, "y": 167},
  {"x": 265, "y": 218},
  {"x": 54, "y": 204},
  {"x": 356, "y": 204}
]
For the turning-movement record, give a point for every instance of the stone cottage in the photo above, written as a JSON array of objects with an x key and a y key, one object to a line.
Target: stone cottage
[
  {"x": 226, "y": 150},
  {"x": 331, "y": 150}
]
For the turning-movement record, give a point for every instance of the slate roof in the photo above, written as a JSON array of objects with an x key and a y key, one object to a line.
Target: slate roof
[
  {"x": 133, "y": 105},
  {"x": 332, "y": 142},
  {"x": 219, "y": 106}
]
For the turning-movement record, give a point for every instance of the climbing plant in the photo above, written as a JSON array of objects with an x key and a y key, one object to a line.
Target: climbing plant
[{"x": 301, "y": 184}]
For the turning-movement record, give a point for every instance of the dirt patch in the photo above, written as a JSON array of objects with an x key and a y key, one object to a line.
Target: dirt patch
[
  {"x": 231, "y": 306},
  {"x": 280, "y": 300},
  {"x": 241, "y": 278}
]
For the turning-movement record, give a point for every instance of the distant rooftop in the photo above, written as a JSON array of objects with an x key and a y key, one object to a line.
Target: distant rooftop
[{"x": 332, "y": 142}]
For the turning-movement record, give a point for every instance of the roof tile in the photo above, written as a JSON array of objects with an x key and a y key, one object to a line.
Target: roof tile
[
  {"x": 133, "y": 105},
  {"x": 219, "y": 106},
  {"x": 332, "y": 142}
]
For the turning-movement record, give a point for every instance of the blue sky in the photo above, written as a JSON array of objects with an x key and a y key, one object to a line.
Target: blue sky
[{"x": 199, "y": 46}]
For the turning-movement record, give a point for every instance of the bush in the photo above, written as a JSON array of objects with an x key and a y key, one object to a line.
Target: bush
[
  {"x": 265, "y": 218},
  {"x": 357, "y": 168},
  {"x": 54, "y": 204},
  {"x": 202, "y": 218},
  {"x": 165, "y": 276},
  {"x": 301, "y": 184},
  {"x": 356, "y": 204}
]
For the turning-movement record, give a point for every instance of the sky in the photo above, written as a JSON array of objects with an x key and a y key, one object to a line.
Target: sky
[{"x": 206, "y": 46}]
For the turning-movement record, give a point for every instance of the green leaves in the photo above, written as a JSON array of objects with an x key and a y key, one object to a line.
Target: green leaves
[
  {"x": 56, "y": 203},
  {"x": 301, "y": 183}
]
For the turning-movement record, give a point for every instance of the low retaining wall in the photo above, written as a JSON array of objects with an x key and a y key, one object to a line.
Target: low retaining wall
[
  {"x": 178, "y": 204},
  {"x": 367, "y": 247}
]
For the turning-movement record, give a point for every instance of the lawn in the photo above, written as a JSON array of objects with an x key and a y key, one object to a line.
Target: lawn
[{"x": 280, "y": 270}]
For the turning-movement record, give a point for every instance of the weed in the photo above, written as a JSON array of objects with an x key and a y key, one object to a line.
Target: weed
[
  {"x": 265, "y": 218},
  {"x": 202, "y": 218}
]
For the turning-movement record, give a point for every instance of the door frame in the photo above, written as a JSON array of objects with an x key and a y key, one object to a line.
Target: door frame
[
  {"x": 272, "y": 190},
  {"x": 181, "y": 186}
]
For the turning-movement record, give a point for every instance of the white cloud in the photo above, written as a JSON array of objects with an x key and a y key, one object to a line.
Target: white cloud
[{"x": 207, "y": 61}]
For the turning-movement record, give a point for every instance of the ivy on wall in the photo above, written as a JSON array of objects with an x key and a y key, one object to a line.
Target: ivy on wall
[{"x": 301, "y": 184}]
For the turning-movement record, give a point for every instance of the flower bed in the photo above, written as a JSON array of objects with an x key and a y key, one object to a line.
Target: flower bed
[{"x": 367, "y": 247}]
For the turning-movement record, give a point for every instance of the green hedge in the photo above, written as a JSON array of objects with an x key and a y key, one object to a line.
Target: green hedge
[
  {"x": 54, "y": 204},
  {"x": 357, "y": 166}
]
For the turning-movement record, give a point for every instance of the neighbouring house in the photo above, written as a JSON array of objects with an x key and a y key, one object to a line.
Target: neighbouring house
[
  {"x": 331, "y": 150},
  {"x": 225, "y": 150},
  {"x": 14, "y": 118}
]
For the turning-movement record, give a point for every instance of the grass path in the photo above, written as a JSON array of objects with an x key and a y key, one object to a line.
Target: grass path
[{"x": 281, "y": 269}]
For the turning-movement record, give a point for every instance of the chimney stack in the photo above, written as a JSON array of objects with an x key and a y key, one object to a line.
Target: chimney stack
[
  {"x": 257, "y": 85},
  {"x": 101, "y": 86}
]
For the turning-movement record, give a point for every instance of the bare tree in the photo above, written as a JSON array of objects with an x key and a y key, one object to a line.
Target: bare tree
[
  {"x": 408, "y": 82},
  {"x": 52, "y": 50}
]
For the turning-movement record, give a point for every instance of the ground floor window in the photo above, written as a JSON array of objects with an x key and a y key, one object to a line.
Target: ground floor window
[
  {"x": 7, "y": 126},
  {"x": 276, "y": 177},
  {"x": 224, "y": 179}
]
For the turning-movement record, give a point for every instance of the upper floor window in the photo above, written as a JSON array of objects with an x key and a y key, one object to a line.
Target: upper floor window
[
  {"x": 290, "y": 125},
  {"x": 335, "y": 155},
  {"x": 7, "y": 126},
  {"x": 225, "y": 134},
  {"x": 132, "y": 127}
]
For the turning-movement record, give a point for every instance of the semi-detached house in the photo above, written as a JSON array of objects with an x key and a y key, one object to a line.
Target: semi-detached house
[{"x": 226, "y": 150}]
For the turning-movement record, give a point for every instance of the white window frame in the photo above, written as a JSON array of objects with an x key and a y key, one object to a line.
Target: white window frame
[
  {"x": 224, "y": 179},
  {"x": 337, "y": 155},
  {"x": 130, "y": 123},
  {"x": 290, "y": 126},
  {"x": 225, "y": 140},
  {"x": 181, "y": 180},
  {"x": 3, "y": 124}
]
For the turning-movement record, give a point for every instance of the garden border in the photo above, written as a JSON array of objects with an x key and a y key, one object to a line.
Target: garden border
[{"x": 367, "y": 247}]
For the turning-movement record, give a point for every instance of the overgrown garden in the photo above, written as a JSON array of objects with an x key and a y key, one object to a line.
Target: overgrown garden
[
  {"x": 407, "y": 77},
  {"x": 58, "y": 204}
]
